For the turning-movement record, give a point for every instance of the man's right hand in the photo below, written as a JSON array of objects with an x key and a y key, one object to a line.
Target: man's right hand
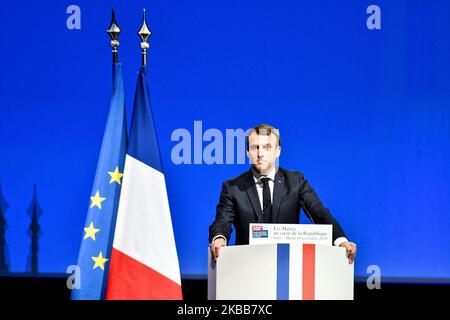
[{"x": 216, "y": 244}]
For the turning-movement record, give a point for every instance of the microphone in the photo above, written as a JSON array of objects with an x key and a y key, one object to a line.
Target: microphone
[
  {"x": 302, "y": 204},
  {"x": 260, "y": 215},
  {"x": 262, "y": 212}
]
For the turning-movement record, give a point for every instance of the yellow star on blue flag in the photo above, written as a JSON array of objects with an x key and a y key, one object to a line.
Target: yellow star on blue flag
[{"x": 96, "y": 242}]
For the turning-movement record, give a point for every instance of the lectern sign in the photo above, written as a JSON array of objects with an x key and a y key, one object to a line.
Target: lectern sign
[{"x": 263, "y": 233}]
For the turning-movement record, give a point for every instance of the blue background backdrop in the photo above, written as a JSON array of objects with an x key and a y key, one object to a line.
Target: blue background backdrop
[{"x": 365, "y": 114}]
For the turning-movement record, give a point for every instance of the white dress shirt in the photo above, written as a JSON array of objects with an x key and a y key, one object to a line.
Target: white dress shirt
[{"x": 259, "y": 185}]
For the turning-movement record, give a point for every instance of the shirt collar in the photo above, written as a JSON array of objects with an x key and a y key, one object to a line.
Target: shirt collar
[{"x": 270, "y": 175}]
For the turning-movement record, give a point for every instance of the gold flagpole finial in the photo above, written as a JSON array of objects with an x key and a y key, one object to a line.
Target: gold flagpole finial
[
  {"x": 144, "y": 33},
  {"x": 114, "y": 31}
]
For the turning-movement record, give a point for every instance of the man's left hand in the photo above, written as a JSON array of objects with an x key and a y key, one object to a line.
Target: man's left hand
[{"x": 351, "y": 250}]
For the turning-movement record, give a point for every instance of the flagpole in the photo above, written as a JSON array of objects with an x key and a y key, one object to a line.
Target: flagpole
[
  {"x": 114, "y": 31},
  {"x": 144, "y": 33}
]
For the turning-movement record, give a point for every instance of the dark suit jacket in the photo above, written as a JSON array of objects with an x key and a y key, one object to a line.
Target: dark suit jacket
[{"x": 239, "y": 205}]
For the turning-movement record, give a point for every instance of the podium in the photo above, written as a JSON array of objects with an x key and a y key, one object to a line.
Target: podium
[{"x": 280, "y": 271}]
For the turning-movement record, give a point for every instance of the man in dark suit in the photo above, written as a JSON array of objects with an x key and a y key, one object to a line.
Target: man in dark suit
[{"x": 268, "y": 194}]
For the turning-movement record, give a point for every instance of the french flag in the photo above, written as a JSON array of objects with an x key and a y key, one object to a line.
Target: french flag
[{"x": 144, "y": 261}]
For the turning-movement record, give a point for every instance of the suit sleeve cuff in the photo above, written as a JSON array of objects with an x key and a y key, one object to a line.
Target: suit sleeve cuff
[
  {"x": 219, "y": 236},
  {"x": 340, "y": 241}
]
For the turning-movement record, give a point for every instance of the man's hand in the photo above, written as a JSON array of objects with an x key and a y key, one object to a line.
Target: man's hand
[
  {"x": 216, "y": 245},
  {"x": 351, "y": 250}
]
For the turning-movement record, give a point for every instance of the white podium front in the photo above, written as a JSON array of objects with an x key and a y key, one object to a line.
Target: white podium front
[{"x": 293, "y": 271}]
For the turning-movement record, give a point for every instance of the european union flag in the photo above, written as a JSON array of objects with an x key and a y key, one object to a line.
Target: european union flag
[{"x": 95, "y": 250}]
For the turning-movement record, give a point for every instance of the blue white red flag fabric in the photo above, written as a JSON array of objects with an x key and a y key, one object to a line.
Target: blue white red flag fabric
[
  {"x": 144, "y": 261},
  {"x": 95, "y": 249}
]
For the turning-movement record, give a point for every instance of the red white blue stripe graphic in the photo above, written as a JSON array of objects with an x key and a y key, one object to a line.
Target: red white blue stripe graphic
[{"x": 296, "y": 272}]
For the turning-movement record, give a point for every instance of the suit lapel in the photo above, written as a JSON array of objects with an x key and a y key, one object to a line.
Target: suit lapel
[
  {"x": 252, "y": 193},
  {"x": 278, "y": 192}
]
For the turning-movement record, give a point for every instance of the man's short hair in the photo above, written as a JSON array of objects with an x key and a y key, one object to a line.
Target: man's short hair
[{"x": 263, "y": 130}]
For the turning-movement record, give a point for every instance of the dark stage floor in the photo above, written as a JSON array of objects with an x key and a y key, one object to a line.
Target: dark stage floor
[{"x": 53, "y": 287}]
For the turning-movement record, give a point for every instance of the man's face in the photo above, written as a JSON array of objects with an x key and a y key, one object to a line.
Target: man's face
[{"x": 263, "y": 151}]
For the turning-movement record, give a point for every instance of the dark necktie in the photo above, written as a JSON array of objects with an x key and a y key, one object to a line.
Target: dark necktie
[{"x": 267, "y": 202}]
